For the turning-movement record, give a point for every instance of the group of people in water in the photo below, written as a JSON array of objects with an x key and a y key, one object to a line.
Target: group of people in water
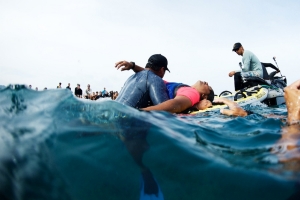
[
  {"x": 94, "y": 95},
  {"x": 88, "y": 92},
  {"x": 146, "y": 90}
]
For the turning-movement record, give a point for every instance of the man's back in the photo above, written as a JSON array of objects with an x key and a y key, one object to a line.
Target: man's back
[
  {"x": 251, "y": 62},
  {"x": 143, "y": 89}
]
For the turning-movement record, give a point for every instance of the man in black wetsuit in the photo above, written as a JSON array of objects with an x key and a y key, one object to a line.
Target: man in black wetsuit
[{"x": 145, "y": 88}]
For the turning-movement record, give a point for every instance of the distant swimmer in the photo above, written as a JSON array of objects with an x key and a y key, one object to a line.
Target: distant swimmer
[
  {"x": 78, "y": 91},
  {"x": 69, "y": 86},
  {"x": 59, "y": 85}
]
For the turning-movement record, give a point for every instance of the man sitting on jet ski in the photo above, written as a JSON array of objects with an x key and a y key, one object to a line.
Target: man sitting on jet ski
[{"x": 252, "y": 65}]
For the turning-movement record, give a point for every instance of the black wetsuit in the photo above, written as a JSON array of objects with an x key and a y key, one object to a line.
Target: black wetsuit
[{"x": 143, "y": 89}]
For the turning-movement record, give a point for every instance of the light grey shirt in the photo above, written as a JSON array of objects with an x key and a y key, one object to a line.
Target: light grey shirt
[
  {"x": 251, "y": 63},
  {"x": 88, "y": 91}
]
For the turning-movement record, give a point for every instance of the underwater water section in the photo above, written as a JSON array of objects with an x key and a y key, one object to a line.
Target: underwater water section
[{"x": 56, "y": 146}]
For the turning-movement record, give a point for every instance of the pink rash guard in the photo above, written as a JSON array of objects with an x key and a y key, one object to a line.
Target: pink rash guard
[{"x": 190, "y": 93}]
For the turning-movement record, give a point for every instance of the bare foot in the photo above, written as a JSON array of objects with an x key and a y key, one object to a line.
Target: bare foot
[{"x": 203, "y": 104}]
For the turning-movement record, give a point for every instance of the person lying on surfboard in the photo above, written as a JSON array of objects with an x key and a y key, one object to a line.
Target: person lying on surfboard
[{"x": 181, "y": 96}]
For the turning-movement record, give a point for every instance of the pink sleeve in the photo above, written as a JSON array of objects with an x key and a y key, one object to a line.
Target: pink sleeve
[{"x": 190, "y": 93}]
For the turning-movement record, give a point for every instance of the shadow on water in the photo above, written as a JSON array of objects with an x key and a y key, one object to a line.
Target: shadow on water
[{"x": 55, "y": 146}]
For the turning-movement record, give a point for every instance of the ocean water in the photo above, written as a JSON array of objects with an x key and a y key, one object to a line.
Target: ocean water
[{"x": 56, "y": 146}]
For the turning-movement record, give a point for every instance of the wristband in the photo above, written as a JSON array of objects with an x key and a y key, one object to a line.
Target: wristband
[{"x": 133, "y": 65}]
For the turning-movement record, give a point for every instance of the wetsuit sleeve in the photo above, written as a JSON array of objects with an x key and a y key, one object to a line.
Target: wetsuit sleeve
[{"x": 157, "y": 90}]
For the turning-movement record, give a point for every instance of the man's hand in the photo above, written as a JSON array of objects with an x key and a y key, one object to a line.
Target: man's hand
[
  {"x": 124, "y": 65},
  {"x": 203, "y": 104},
  {"x": 234, "y": 108},
  {"x": 231, "y": 73},
  {"x": 295, "y": 85},
  {"x": 292, "y": 101}
]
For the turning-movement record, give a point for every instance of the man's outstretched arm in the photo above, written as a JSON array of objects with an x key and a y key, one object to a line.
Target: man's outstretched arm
[
  {"x": 176, "y": 105},
  {"x": 292, "y": 101},
  {"x": 124, "y": 65},
  {"x": 234, "y": 108}
]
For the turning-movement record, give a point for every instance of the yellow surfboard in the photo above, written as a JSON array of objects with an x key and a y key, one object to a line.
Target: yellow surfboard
[{"x": 251, "y": 95}]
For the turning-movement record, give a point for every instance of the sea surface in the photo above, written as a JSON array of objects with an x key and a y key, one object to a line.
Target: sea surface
[{"x": 56, "y": 146}]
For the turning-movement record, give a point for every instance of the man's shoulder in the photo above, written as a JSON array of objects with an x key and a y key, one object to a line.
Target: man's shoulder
[
  {"x": 248, "y": 53},
  {"x": 153, "y": 75},
  {"x": 146, "y": 75},
  {"x": 142, "y": 72}
]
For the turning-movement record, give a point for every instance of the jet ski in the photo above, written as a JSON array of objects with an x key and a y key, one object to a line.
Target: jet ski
[
  {"x": 274, "y": 84},
  {"x": 267, "y": 90}
]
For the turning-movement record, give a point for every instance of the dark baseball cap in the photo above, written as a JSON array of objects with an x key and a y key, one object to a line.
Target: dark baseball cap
[
  {"x": 157, "y": 61},
  {"x": 236, "y": 46}
]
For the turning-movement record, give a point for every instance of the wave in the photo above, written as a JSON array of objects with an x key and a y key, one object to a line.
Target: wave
[{"x": 56, "y": 146}]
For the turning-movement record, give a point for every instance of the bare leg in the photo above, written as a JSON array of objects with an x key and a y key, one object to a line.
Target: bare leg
[{"x": 149, "y": 186}]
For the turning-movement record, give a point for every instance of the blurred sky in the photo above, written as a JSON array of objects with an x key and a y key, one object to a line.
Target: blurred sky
[{"x": 43, "y": 43}]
